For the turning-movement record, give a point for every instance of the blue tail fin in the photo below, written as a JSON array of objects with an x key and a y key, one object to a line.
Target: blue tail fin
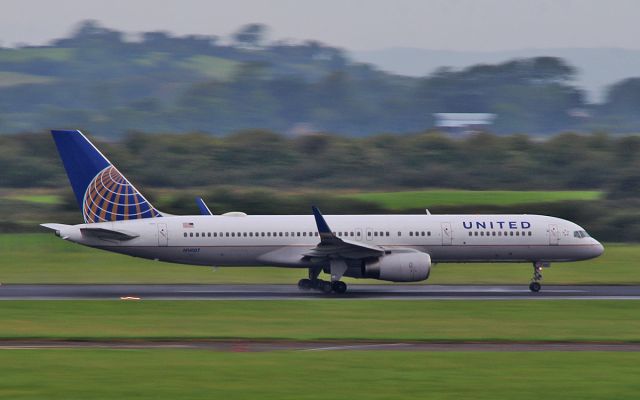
[{"x": 103, "y": 193}]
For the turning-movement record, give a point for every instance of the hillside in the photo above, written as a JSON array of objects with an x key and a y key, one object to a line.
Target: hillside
[{"x": 102, "y": 80}]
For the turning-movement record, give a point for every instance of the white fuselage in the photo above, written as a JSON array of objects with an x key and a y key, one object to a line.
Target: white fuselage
[{"x": 281, "y": 240}]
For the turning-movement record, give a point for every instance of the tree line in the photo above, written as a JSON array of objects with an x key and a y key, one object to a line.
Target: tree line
[
  {"x": 98, "y": 79},
  {"x": 260, "y": 158}
]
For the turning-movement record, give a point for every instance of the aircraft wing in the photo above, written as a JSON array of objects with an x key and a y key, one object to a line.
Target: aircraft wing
[{"x": 331, "y": 246}]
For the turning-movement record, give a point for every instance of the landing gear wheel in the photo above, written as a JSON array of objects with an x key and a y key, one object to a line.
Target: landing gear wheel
[
  {"x": 534, "y": 287},
  {"x": 304, "y": 284},
  {"x": 339, "y": 287},
  {"x": 325, "y": 287}
]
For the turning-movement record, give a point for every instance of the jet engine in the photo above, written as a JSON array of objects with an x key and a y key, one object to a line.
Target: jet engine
[{"x": 409, "y": 266}]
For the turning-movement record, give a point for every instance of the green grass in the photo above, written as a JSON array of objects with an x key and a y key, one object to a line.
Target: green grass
[
  {"x": 8, "y": 79},
  {"x": 44, "y": 258},
  {"x": 454, "y": 320},
  {"x": 50, "y": 199},
  {"x": 28, "y": 54},
  {"x": 212, "y": 67},
  {"x": 184, "y": 374},
  {"x": 430, "y": 198}
]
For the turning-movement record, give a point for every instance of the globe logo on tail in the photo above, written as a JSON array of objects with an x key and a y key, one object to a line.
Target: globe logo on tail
[{"x": 111, "y": 197}]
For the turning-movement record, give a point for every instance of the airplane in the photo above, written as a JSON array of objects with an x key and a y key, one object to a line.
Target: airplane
[{"x": 396, "y": 248}]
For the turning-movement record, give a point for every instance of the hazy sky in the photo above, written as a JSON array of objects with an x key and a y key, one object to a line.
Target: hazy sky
[{"x": 354, "y": 24}]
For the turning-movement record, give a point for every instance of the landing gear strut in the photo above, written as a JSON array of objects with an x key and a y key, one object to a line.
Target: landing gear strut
[{"x": 535, "y": 286}]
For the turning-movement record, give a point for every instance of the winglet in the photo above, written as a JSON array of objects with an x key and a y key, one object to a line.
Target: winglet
[{"x": 204, "y": 210}]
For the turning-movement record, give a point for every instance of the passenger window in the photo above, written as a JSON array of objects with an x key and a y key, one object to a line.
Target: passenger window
[
  {"x": 185, "y": 234},
  {"x": 429, "y": 233},
  {"x": 197, "y": 234},
  {"x": 399, "y": 234},
  {"x": 280, "y": 234},
  {"x": 481, "y": 233},
  {"x": 375, "y": 233},
  {"x": 475, "y": 233},
  {"x": 410, "y": 233},
  {"x": 191, "y": 234},
  {"x": 511, "y": 233},
  {"x": 529, "y": 233},
  {"x": 470, "y": 233},
  {"x": 493, "y": 233}
]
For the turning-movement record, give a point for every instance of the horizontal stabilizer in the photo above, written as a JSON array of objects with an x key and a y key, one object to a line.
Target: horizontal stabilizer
[
  {"x": 108, "y": 234},
  {"x": 204, "y": 210},
  {"x": 54, "y": 227}
]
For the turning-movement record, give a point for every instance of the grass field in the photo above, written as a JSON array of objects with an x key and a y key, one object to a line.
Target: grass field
[
  {"x": 44, "y": 258},
  {"x": 454, "y": 320},
  {"x": 50, "y": 199},
  {"x": 430, "y": 198},
  {"x": 184, "y": 374},
  {"x": 8, "y": 79}
]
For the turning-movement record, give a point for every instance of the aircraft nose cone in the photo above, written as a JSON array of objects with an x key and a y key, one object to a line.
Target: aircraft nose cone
[{"x": 598, "y": 249}]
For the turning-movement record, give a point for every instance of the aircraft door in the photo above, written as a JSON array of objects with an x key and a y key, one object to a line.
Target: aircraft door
[
  {"x": 554, "y": 234},
  {"x": 163, "y": 235},
  {"x": 447, "y": 235},
  {"x": 359, "y": 234}
]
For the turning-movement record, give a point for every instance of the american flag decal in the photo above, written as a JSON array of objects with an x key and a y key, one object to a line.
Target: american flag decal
[{"x": 187, "y": 224}]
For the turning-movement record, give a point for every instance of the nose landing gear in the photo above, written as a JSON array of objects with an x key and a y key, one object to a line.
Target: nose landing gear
[{"x": 535, "y": 286}]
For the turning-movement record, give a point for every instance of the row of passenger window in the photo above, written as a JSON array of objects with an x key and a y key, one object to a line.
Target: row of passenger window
[
  {"x": 500, "y": 233},
  {"x": 247, "y": 234},
  {"x": 296, "y": 234}
]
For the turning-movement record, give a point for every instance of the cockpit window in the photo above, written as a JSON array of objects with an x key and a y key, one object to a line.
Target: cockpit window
[{"x": 580, "y": 234}]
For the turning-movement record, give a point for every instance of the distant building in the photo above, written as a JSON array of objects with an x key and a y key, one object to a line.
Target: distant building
[{"x": 464, "y": 122}]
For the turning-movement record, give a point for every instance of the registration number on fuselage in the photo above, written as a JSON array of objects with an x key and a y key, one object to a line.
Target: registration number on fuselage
[{"x": 191, "y": 250}]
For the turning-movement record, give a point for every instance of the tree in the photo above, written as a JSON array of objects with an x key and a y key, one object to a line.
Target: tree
[{"x": 250, "y": 35}]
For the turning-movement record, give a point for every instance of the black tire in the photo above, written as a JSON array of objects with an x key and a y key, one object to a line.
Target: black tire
[
  {"x": 304, "y": 284},
  {"x": 326, "y": 287},
  {"x": 534, "y": 287},
  {"x": 339, "y": 287}
]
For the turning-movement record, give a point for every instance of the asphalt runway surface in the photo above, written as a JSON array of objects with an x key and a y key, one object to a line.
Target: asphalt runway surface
[
  {"x": 291, "y": 292},
  {"x": 251, "y": 346}
]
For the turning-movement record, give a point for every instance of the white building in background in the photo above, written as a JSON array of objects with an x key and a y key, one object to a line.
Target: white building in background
[{"x": 464, "y": 122}]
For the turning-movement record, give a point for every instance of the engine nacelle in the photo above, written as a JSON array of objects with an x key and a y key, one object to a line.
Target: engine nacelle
[{"x": 409, "y": 266}]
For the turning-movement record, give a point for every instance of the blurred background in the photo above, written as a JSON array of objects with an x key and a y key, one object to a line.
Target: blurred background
[{"x": 365, "y": 107}]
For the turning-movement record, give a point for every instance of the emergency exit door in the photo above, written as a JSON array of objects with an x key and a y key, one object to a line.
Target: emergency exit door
[
  {"x": 447, "y": 235},
  {"x": 163, "y": 235}
]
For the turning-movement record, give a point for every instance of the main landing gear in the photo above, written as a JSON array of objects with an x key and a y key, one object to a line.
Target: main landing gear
[
  {"x": 535, "y": 286},
  {"x": 313, "y": 282},
  {"x": 323, "y": 286}
]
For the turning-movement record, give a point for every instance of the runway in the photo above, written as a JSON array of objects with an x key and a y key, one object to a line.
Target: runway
[{"x": 291, "y": 292}]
